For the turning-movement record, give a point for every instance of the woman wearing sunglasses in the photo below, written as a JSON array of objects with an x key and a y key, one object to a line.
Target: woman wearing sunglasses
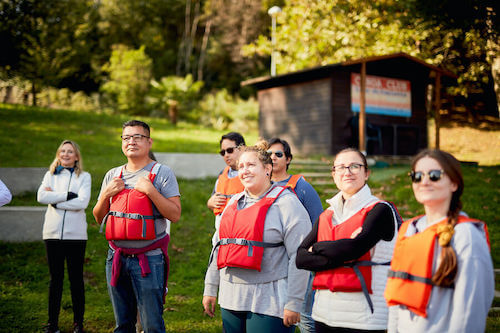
[
  {"x": 253, "y": 269},
  {"x": 349, "y": 249},
  {"x": 281, "y": 155},
  {"x": 441, "y": 277}
]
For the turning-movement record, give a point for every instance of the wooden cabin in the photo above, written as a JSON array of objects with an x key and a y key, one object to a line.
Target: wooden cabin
[{"x": 317, "y": 110}]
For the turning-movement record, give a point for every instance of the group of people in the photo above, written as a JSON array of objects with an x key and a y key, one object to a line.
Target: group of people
[{"x": 278, "y": 259}]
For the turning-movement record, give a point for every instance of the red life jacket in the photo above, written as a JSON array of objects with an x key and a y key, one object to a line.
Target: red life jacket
[
  {"x": 410, "y": 278},
  {"x": 241, "y": 233},
  {"x": 130, "y": 215},
  {"x": 343, "y": 278},
  {"x": 228, "y": 187}
]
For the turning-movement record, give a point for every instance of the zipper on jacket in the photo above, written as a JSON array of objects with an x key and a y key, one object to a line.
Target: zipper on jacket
[{"x": 64, "y": 215}]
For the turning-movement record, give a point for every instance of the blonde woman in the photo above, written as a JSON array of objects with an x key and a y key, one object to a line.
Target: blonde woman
[
  {"x": 66, "y": 190},
  {"x": 253, "y": 269},
  {"x": 441, "y": 277}
]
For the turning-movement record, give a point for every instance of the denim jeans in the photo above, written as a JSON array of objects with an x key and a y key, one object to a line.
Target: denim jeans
[
  {"x": 306, "y": 324},
  {"x": 134, "y": 292}
]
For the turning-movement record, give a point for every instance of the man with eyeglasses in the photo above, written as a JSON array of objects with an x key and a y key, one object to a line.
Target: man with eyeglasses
[
  {"x": 227, "y": 183},
  {"x": 281, "y": 155},
  {"x": 137, "y": 262}
]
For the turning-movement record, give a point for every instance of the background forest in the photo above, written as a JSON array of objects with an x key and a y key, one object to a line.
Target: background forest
[{"x": 185, "y": 59}]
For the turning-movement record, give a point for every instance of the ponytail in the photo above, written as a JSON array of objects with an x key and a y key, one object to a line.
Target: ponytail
[{"x": 447, "y": 270}]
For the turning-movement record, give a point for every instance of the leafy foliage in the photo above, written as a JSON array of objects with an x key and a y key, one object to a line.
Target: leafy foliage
[
  {"x": 129, "y": 77},
  {"x": 174, "y": 96}
]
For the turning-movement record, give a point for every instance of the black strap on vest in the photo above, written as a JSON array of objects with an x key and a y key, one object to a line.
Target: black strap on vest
[
  {"x": 133, "y": 216},
  {"x": 243, "y": 242},
  {"x": 355, "y": 266},
  {"x": 408, "y": 276}
]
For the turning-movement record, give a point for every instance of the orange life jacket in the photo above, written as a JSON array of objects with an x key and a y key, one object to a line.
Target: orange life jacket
[
  {"x": 241, "y": 233},
  {"x": 409, "y": 282},
  {"x": 130, "y": 215},
  {"x": 228, "y": 187},
  {"x": 344, "y": 278}
]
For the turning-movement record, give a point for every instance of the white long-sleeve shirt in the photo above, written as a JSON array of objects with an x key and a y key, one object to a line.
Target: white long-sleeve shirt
[{"x": 5, "y": 195}]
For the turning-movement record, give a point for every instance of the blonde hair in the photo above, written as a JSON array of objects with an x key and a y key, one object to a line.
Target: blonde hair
[
  {"x": 260, "y": 148},
  {"x": 78, "y": 163}
]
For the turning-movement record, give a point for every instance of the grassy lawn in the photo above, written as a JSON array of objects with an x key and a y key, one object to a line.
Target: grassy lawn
[{"x": 30, "y": 137}]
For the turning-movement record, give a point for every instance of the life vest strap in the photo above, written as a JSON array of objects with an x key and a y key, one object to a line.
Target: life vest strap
[
  {"x": 408, "y": 276},
  {"x": 133, "y": 216},
  {"x": 355, "y": 266},
  {"x": 243, "y": 242}
]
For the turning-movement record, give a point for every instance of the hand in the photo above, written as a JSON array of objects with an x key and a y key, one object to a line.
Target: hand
[
  {"x": 115, "y": 186},
  {"x": 144, "y": 185},
  {"x": 48, "y": 189},
  {"x": 209, "y": 305},
  {"x": 290, "y": 318},
  {"x": 216, "y": 201}
]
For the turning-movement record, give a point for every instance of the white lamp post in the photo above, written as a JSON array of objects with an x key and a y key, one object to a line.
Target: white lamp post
[{"x": 273, "y": 12}]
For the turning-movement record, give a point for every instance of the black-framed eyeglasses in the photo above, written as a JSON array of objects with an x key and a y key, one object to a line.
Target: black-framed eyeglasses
[
  {"x": 354, "y": 168},
  {"x": 278, "y": 153},
  {"x": 229, "y": 150},
  {"x": 135, "y": 137},
  {"x": 434, "y": 175}
]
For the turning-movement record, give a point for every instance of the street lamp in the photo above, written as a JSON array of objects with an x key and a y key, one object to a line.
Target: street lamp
[{"x": 273, "y": 12}]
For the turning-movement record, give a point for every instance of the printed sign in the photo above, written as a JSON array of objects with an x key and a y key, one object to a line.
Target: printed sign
[{"x": 383, "y": 95}]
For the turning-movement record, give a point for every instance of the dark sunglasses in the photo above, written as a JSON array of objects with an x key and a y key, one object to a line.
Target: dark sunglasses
[
  {"x": 278, "y": 153},
  {"x": 434, "y": 175},
  {"x": 229, "y": 150}
]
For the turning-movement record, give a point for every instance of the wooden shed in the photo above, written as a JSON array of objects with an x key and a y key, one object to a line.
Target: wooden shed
[{"x": 317, "y": 110}]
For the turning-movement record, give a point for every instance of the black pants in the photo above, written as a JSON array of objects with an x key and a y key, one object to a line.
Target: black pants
[
  {"x": 73, "y": 251},
  {"x": 322, "y": 328}
]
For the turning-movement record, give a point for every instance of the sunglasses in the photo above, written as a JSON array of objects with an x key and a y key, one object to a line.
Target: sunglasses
[
  {"x": 434, "y": 175},
  {"x": 229, "y": 150},
  {"x": 278, "y": 153}
]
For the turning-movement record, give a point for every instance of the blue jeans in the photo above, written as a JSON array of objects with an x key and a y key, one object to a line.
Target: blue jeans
[
  {"x": 134, "y": 292},
  {"x": 306, "y": 323}
]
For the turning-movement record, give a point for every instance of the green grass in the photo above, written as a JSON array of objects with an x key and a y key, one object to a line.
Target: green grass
[{"x": 30, "y": 137}]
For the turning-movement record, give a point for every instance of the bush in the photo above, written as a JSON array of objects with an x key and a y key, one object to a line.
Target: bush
[{"x": 223, "y": 111}]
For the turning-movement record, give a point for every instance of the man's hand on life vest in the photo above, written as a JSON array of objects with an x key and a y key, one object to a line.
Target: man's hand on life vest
[
  {"x": 290, "y": 318},
  {"x": 144, "y": 185},
  {"x": 209, "y": 305},
  {"x": 115, "y": 186},
  {"x": 216, "y": 201}
]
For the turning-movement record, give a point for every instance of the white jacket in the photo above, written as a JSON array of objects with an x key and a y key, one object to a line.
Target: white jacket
[
  {"x": 351, "y": 309},
  {"x": 68, "y": 220}
]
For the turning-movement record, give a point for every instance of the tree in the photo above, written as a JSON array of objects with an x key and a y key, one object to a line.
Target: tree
[
  {"x": 459, "y": 36},
  {"x": 47, "y": 42},
  {"x": 174, "y": 95},
  {"x": 129, "y": 76}
]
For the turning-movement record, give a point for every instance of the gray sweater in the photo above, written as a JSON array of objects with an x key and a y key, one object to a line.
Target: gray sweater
[{"x": 280, "y": 284}]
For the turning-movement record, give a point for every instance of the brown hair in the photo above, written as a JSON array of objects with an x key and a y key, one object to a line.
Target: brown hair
[
  {"x": 447, "y": 270},
  {"x": 351, "y": 149},
  {"x": 78, "y": 163}
]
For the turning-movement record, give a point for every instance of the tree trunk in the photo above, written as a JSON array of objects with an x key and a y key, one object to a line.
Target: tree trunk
[
  {"x": 172, "y": 112},
  {"x": 194, "y": 28},
  {"x": 33, "y": 92},
  {"x": 203, "y": 50},
  {"x": 187, "y": 34}
]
